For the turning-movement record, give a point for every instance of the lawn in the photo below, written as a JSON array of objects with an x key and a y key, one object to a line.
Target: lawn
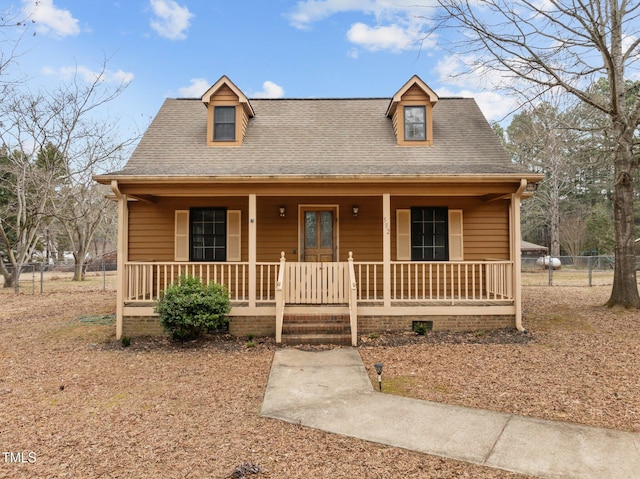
[{"x": 76, "y": 403}]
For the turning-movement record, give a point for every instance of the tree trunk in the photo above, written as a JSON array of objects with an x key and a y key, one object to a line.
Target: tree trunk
[
  {"x": 78, "y": 268},
  {"x": 8, "y": 278},
  {"x": 16, "y": 278},
  {"x": 555, "y": 221},
  {"x": 625, "y": 287}
]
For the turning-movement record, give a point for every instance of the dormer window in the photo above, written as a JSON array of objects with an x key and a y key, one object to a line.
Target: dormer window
[
  {"x": 224, "y": 120},
  {"x": 411, "y": 114},
  {"x": 228, "y": 114},
  {"x": 415, "y": 125}
]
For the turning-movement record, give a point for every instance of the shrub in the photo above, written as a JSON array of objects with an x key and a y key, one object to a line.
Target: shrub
[{"x": 188, "y": 308}]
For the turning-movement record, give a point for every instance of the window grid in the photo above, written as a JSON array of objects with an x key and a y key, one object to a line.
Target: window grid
[
  {"x": 224, "y": 123},
  {"x": 429, "y": 234},
  {"x": 415, "y": 125},
  {"x": 208, "y": 234}
]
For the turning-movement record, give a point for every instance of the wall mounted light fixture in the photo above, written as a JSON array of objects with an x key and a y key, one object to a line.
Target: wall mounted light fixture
[
  {"x": 355, "y": 211},
  {"x": 283, "y": 211}
]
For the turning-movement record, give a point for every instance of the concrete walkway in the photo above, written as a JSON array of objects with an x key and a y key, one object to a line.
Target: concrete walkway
[{"x": 331, "y": 391}]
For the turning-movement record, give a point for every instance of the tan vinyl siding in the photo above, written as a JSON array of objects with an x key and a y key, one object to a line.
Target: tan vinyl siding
[
  {"x": 416, "y": 94},
  {"x": 361, "y": 235},
  {"x": 486, "y": 225},
  {"x": 152, "y": 226},
  {"x": 486, "y": 231},
  {"x": 224, "y": 93}
]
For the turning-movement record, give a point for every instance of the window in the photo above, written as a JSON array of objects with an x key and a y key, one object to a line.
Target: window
[
  {"x": 429, "y": 234},
  {"x": 224, "y": 123},
  {"x": 415, "y": 125},
  {"x": 208, "y": 238},
  {"x": 418, "y": 238}
]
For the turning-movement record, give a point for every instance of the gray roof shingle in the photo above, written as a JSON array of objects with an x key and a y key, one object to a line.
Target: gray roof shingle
[{"x": 324, "y": 137}]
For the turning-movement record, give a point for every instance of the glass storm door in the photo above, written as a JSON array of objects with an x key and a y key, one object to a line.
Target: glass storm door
[{"x": 319, "y": 235}]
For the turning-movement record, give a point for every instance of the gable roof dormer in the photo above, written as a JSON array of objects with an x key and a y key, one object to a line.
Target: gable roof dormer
[
  {"x": 228, "y": 113},
  {"x": 411, "y": 112}
]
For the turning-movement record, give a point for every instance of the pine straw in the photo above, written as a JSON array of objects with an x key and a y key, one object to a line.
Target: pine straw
[{"x": 90, "y": 408}]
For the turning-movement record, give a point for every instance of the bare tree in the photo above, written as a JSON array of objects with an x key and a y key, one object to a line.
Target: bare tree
[
  {"x": 567, "y": 45},
  {"x": 541, "y": 139},
  {"x": 574, "y": 234},
  {"x": 26, "y": 188},
  {"x": 13, "y": 27},
  {"x": 61, "y": 134}
]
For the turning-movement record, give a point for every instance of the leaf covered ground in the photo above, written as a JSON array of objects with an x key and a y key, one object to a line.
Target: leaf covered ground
[{"x": 76, "y": 403}]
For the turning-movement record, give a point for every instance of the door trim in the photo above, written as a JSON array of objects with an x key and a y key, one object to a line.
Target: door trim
[{"x": 336, "y": 233}]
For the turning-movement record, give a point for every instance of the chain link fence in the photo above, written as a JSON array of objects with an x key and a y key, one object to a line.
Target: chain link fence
[
  {"x": 571, "y": 271},
  {"x": 568, "y": 271},
  {"x": 55, "y": 277}
]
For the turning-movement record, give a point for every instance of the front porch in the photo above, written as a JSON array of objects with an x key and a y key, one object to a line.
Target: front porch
[{"x": 373, "y": 295}]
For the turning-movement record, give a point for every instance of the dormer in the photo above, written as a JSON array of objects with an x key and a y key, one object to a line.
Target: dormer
[
  {"x": 411, "y": 111},
  {"x": 228, "y": 113}
]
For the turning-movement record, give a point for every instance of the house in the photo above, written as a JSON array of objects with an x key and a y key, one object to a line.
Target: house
[{"x": 378, "y": 212}]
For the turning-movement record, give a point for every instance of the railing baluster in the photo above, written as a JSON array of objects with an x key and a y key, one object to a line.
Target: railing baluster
[{"x": 325, "y": 282}]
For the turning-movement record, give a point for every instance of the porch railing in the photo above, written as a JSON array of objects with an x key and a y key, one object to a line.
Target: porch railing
[
  {"x": 437, "y": 281},
  {"x": 353, "y": 302},
  {"x": 316, "y": 283},
  {"x": 147, "y": 280},
  {"x": 331, "y": 283},
  {"x": 280, "y": 300}
]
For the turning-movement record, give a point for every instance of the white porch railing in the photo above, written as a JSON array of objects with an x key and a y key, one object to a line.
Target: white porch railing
[
  {"x": 147, "y": 280},
  {"x": 280, "y": 298},
  {"x": 316, "y": 283},
  {"x": 437, "y": 281},
  {"x": 353, "y": 302},
  {"x": 332, "y": 283}
]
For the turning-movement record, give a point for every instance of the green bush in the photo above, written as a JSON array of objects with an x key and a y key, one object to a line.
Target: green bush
[{"x": 188, "y": 308}]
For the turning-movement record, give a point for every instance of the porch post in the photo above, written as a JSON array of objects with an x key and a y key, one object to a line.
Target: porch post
[
  {"x": 515, "y": 252},
  {"x": 386, "y": 249},
  {"x": 123, "y": 255},
  {"x": 252, "y": 250}
]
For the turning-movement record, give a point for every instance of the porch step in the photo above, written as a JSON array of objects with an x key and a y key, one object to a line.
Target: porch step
[{"x": 316, "y": 329}]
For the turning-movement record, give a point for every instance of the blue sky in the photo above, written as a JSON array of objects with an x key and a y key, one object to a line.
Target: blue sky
[{"x": 275, "y": 48}]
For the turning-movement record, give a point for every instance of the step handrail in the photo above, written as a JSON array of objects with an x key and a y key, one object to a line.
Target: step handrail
[
  {"x": 279, "y": 297},
  {"x": 353, "y": 301}
]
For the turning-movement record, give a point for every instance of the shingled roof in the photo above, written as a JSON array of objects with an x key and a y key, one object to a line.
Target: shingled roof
[{"x": 319, "y": 137}]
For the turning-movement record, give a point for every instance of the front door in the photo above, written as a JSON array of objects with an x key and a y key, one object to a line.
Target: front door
[{"x": 319, "y": 234}]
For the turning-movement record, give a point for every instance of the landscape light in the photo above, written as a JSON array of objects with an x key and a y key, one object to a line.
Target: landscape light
[{"x": 378, "y": 367}]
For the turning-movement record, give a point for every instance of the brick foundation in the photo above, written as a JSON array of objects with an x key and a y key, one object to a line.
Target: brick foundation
[
  {"x": 238, "y": 326},
  {"x": 141, "y": 326},
  {"x": 266, "y": 325},
  {"x": 254, "y": 325},
  {"x": 375, "y": 324}
]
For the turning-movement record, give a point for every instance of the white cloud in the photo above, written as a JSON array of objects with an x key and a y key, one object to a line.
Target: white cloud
[
  {"x": 307, "y": 12},
  {"x": 392, "y": 37},
  {"x": 270, "y": 90},
  {"x": 90, "y": 76},
  {"x": 50, "y": 19},
  {"x": 170, "y": 19},
  {"x": 494, "y": 105},
  {"x": 398, "y": 24},
  {"x": 196, "y": 89}
]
